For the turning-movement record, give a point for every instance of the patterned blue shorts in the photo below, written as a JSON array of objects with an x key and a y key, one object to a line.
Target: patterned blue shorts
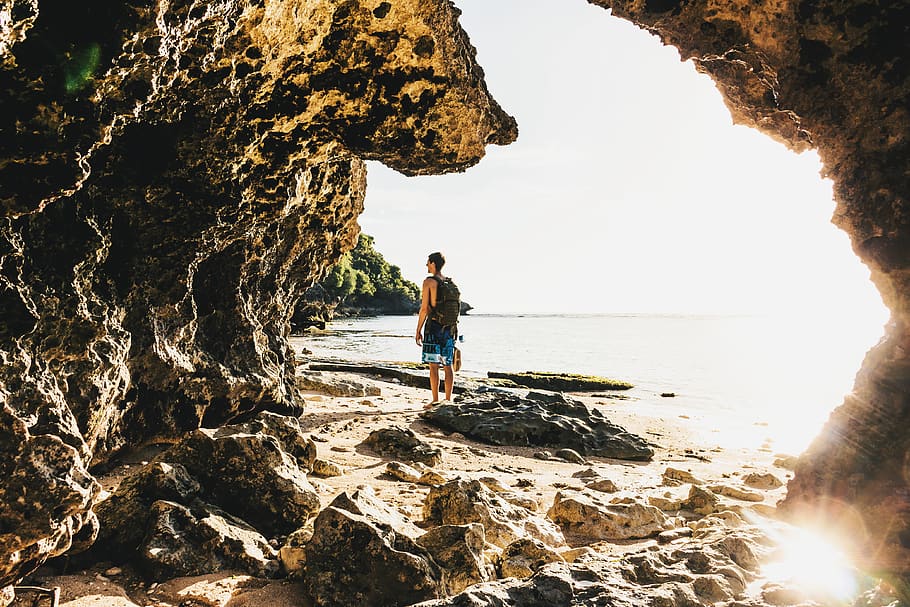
[{"x": 438, "y": 344}]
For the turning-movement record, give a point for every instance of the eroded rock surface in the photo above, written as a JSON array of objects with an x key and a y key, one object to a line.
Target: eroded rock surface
[
  {"x": 543, "y": 420},
  {"x": 174, "y": 176}
]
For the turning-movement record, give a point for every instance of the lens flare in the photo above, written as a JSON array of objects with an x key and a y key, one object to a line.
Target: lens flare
[{"x": 813, "y": 564}]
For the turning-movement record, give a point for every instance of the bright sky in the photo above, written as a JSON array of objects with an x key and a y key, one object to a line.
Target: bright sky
[{"x": 628, "y": 190}]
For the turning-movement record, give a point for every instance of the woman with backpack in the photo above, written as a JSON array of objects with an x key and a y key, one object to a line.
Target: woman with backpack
[{"x": 437, "y": 325}]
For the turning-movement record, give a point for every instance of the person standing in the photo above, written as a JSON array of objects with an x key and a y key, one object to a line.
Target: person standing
[{"x": 437, "y": 339}]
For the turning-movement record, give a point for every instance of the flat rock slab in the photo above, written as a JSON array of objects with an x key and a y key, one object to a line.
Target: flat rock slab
[
  {"x": 541, "y": 420},
  {"x": 562, "y": 382}
]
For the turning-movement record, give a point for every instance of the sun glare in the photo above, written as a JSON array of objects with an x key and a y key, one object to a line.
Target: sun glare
[{"x": 813, "y": 565}]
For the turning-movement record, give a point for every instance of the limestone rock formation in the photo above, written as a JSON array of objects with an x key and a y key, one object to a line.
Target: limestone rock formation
[
  {"x": 544, "y": 420},
  {"x": 173, "y": 176}
]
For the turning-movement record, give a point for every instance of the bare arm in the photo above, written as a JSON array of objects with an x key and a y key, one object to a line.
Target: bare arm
[{"x": 427, "y": 298}]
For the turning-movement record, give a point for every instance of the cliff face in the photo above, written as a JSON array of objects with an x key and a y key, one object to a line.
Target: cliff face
[
  {"x": 832, "y": 76},
  {"x": 173, "y": 175}
]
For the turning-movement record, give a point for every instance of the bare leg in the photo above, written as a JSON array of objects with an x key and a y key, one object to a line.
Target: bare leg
[
  {"x": 450, "y": 381},
  {"x": 434, "y": 380}
]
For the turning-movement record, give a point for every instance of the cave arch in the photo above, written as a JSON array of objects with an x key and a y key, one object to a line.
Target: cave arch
[{"x": 281, "y": 103}]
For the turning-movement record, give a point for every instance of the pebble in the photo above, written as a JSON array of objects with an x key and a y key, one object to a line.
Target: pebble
[{"x": 113, "y": 571}]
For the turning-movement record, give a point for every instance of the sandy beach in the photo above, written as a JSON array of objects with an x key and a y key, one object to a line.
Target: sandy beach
[{"x": 339, "y": 426}]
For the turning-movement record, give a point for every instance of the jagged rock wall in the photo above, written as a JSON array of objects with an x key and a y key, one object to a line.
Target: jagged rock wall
[
  {"x": 832, "y": 75},
  {"x": 173, "y": 176}
]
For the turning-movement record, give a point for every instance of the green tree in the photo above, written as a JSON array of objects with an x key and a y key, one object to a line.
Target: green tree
[{"x": 364, "y": 282}]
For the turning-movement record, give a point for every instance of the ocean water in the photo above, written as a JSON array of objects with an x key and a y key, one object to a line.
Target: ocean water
[{"x": 779, "y": 376}]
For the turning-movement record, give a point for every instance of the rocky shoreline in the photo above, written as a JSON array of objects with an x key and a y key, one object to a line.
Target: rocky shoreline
[{"x": 504, "y": 497}]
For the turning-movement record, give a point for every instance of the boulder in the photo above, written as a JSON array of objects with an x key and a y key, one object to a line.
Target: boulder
[
  {"x": 540, "y": 420},
  {"x": 463, "y": 502},
  {"x": 248, "y": 475},
  {"x": 364, "y": 553},
  {"x": 585, "y": 517},
  {"x": 124, "y": 515},
  {"x": 459, "y": 552},
  {"x": 402, "y": 443},
  {"x": 288, "y": 432},
  {"x": 183, "y": 541}
]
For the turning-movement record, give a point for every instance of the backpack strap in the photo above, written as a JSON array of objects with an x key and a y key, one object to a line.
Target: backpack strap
[{"x": 438, "y": 282}]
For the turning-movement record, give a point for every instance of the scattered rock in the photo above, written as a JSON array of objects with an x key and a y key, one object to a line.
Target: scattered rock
[
  {"x": 570, "y": 455},
  {"x": 326, "y": 469},
  {"x": 432, "y": 478},
  {"x": 701, "y": 501},
  {"x": 402, "y": 472},
  {"x": 293, "y": 554},
  {"x": 334, "y": 385},
  {"x": 524, "y": 557},
  {"x": 604, "y": 485},
  {"x": 665, "y": 537},
  {"x": 123, "y": 516},
  {"x": 762, "y": 481},
  {"x": 462, "y": 502},
  {"x": 403, "y": 443},
  {"x": 459, "y": 551},
  {"x": 248, "y": 474},
  {"x": 585, "y": 517},
  {"x": 587, "y": 473},
  {"x": 673, "y": 477},
  {"x": 737, "y": 493}
]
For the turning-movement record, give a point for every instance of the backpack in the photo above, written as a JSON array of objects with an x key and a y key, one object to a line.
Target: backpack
[{"x": 448, "y": 303}]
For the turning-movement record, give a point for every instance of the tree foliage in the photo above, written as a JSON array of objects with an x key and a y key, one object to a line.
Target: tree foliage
[{"x": 363, "y": 281}]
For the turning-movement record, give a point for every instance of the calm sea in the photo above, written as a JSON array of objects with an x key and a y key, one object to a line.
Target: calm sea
[{"x": 782, "y": 374}]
